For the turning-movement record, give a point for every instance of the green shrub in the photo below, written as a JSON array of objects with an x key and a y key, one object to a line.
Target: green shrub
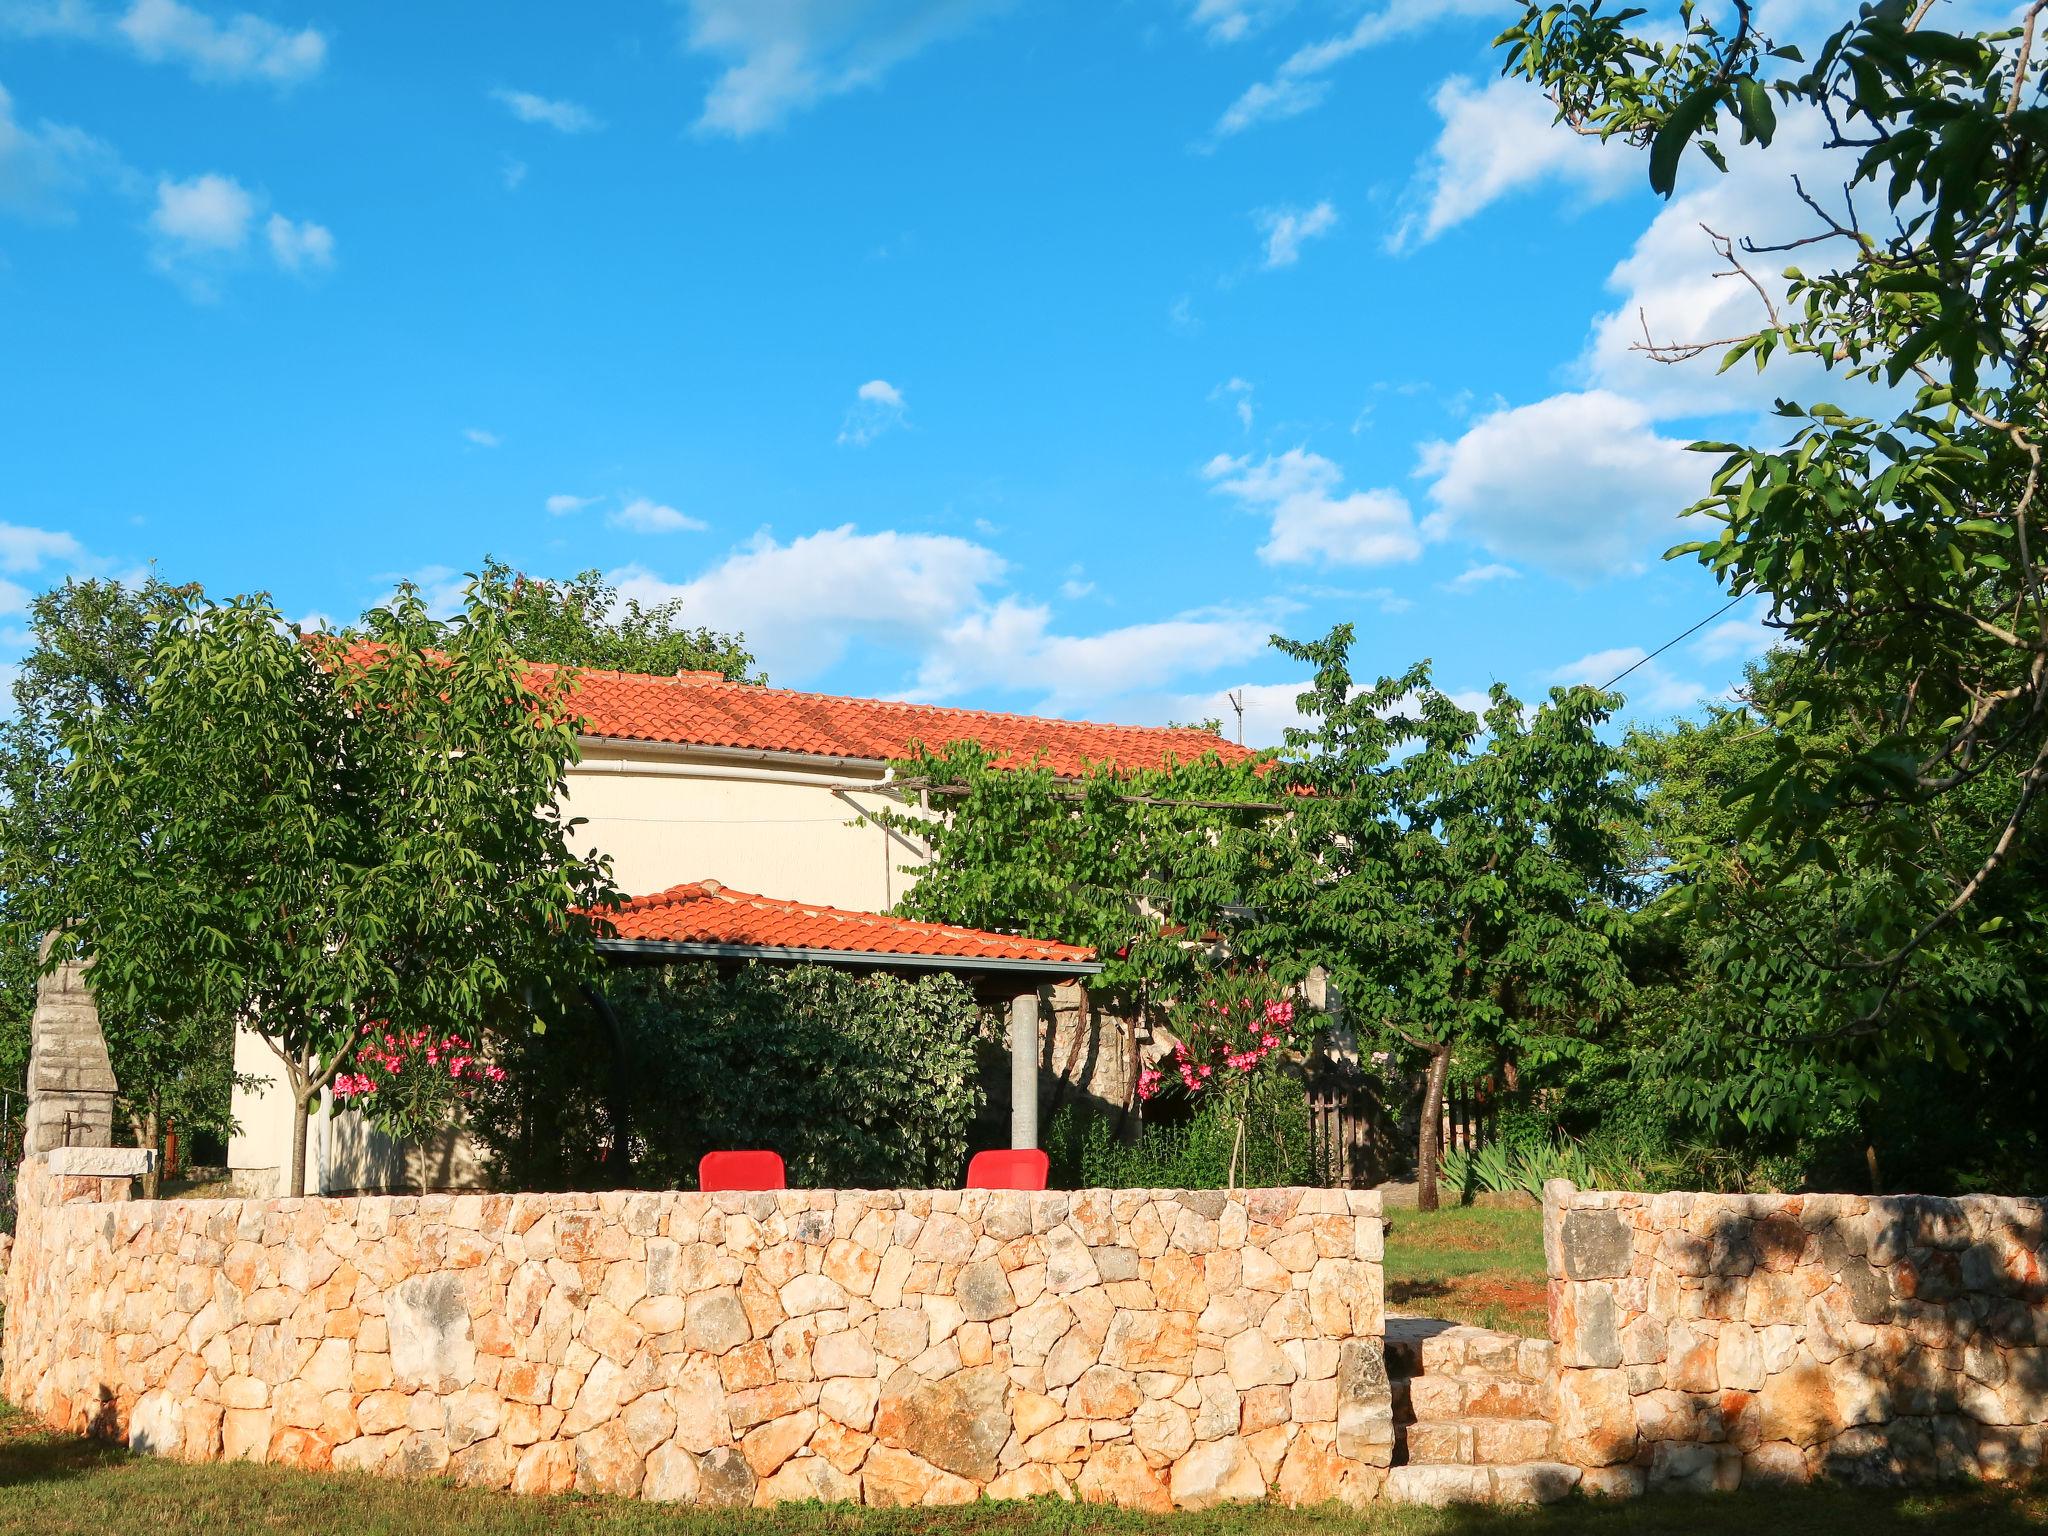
[
  {"x": 858, "y": 1081},
  {"x": 1193, "y": 1153}
]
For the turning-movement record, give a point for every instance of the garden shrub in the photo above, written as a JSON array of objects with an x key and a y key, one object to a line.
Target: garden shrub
[
  {"x": 857, "y": 1081},
  {"x": 1192, "y": 1152}
]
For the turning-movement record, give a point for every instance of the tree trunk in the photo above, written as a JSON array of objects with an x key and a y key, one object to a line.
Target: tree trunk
[
  {"x": 301, "y": 1120},
  {"x": 1429, "y": 1137}
]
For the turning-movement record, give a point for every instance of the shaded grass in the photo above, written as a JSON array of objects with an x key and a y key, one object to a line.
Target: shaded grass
[
  {"x": 1470, "y": 1264},
  {"x": 59, "y": 1486}
]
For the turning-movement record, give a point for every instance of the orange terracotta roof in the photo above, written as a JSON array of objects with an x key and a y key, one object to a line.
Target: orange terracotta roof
[
  {"x": 707, "y": 913},
  {"x": 703, "y": 710}
]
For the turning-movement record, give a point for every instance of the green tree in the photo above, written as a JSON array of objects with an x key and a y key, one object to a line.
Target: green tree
[
  {"x": 1903, "y": 549},
  {"x": 1129, "y": 862},
  {"x": 91, "y": 646},
  {"x": 316, "y": 841},
  {"x": 583, "y": 622},
  {"x": 1735, "y": 973},
  {"x": 1462, "y": 879}
]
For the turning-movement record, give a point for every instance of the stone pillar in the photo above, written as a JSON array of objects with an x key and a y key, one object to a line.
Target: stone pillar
[
  {"x": 1024, "y": 1070},
  {"x": 70, "y": 1080}
]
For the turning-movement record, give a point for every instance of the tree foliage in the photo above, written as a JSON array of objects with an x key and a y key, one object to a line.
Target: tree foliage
[
  {"x": 1461, "y": 878},
  {"x": 584, "y": 622},
  {"x": 318, "y": 842},
  {"x": 91, "y": 644},
  {"x": 1902, "y": 547}
]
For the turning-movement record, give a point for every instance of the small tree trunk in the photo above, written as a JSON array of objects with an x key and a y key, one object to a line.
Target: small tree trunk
[
  {"x": 1870, "y": 1162},
  {"x": 1429, "y": 1137},
  {"x": 301, "y": 1120}
]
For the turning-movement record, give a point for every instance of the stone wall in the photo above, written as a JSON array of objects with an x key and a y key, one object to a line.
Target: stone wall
[
  {"x": 1713, "y": 1340},
  {"x": 1150, "y": 1348}
]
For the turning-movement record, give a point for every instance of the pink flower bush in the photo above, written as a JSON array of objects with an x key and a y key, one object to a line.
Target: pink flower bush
[
  {"x": 1226, "y": 1033},
  {"x": 413, "y": 1081}
]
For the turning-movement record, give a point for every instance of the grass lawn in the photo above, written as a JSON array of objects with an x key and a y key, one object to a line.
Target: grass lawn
[
  {"x": 1468, "y": 1263},
  {"x": 58, "y": 1486}
]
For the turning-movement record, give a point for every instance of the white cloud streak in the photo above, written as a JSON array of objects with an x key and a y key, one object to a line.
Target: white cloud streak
[
  {"x": 781, "y": 57},
  {"x": 1499, "y": 139},
  {"x": 238, "y": 48},
  {"x": 549, "y": 112},
  {"x": 878, "y": 407},
  {"x": 640, "y": 515},
  {"x": 1286, "y": 229},
  {"x": 1302, "y": 81}
]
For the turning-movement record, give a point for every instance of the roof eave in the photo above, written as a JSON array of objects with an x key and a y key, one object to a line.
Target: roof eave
[
  {"x": 688, "y": 950},
  {"x": 732, "y": 754}
]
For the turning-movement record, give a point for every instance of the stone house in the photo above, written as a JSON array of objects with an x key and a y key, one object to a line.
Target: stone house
[{"x": 746, "y": 819}]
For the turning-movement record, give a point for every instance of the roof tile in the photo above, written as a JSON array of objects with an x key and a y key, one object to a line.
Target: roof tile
[{"x": 706, "y": 912}]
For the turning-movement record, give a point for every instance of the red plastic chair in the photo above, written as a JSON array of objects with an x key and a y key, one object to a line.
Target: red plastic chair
[
  {"x": 740, "y": 1170},
  {"x": 1022, "y": 1168}
]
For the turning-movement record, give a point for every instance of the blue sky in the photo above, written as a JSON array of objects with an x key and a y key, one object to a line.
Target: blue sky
[{"x": 1040, "y": 356}]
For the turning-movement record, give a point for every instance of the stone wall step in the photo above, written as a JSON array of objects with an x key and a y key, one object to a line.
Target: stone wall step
[
  {"x": 1477, "y": 1396},
  {"x": 1476, "y": 1442},
  {"x": 1418, "y": 1346},
  {"x": 1534, "y": 1482}
]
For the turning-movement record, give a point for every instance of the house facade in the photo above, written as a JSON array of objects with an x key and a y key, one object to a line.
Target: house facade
[{"x": 691, "y": 781}]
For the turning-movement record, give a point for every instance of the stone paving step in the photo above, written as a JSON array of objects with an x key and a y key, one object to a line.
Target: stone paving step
[
  {"x": 1536, "y": 1482},
  {"x": 1478, "y": 1396},
  {"x": 1475, "y": 1442},
  {"x": 1474, "y": 1416}
]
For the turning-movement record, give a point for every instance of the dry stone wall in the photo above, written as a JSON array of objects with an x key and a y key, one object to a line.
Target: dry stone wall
[
  {"x": 1148, "y": 1348},
  {"x": 1713, "y": 1340}
]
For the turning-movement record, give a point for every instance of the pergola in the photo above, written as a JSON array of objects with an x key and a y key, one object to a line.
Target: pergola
[{"x": 709, "y": 921}]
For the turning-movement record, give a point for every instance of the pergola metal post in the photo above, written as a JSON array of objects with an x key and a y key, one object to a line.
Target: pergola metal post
[{"x": 1024, "y": 1069}]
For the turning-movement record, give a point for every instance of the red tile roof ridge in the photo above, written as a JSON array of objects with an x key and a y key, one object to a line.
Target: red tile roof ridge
[
  {"x": 887, "y": 934},
  {"x": 947, "y": 711}
]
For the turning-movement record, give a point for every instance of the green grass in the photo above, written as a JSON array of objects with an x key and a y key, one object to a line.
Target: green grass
[
  {"x": 58, "y": 1486},
  {"x": 1468, "y": 1263}
]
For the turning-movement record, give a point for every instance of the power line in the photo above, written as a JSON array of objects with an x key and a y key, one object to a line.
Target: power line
[{"x": 1703, "y": 623}]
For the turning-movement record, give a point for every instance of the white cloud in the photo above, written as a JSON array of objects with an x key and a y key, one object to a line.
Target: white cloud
[
  {"x": 1298, "y": 490},
  {"x": 244, "y": 47},
  {"x": 42, "y": 166},
  {"x": 1302, "y": 80},
  {"x": 781, "y": 56},
  {"x": 1239, "y": 393},
  {"x": 1075, "y": 587},
  {"x": 563, "y": 116},
  {"x": 561, "y": 505},
  {"x": 241, "y": 47},
  {"x": 877, "y": 407},
  {"x": 299, "y": 246},
  {"x": 1232, "y": 21},
  {"x": 1673, "y": 282},
  {"x": 200, "y": 228},
  {"x": 1739, "y": 639},
  {"x": 1480, "y": 575},
  {"x": 512, "y": 173},
  {"x": 1501, "y": 138},
  {"x": 207, "y": 213},
  {"x": 482, "y": 438},
  {"x": 26, "y": 549},
  {"x": 1651, "y": 687},
  {"x": 1578, "y": 484},
  {"x": 644, "y": 516},
  {"x": 1011, "y": 646},
  {"x": 801, "y": 604},
  {"x": 1287, "y": 228}
]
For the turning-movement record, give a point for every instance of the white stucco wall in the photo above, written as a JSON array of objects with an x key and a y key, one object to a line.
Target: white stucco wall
[{"x": 775, "y": 826}]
